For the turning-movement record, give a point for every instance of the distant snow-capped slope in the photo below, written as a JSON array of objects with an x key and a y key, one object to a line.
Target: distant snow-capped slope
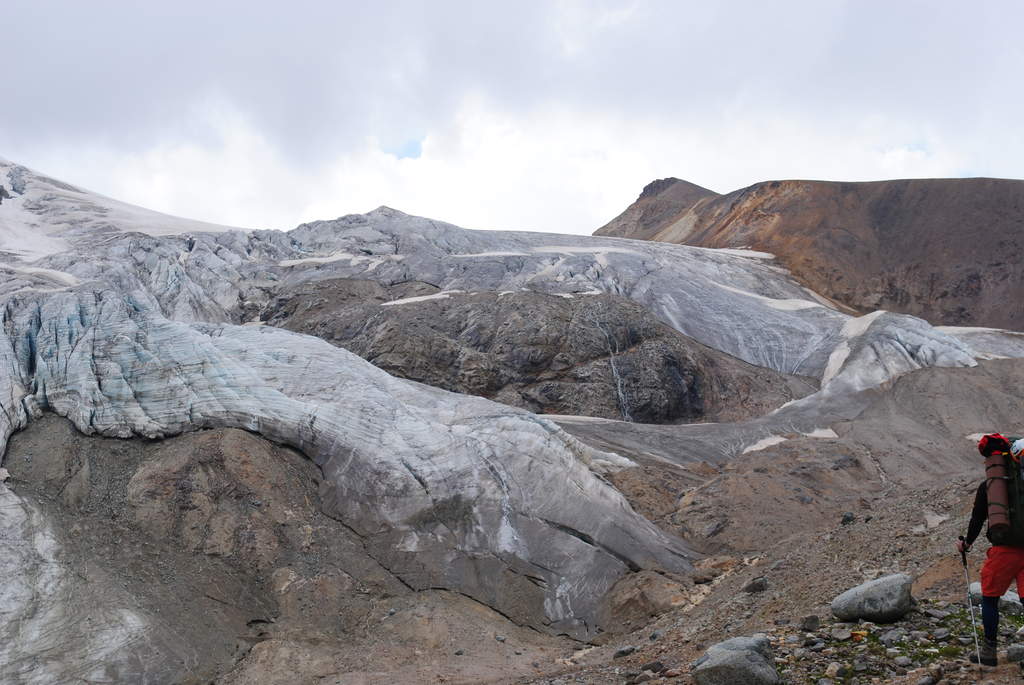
[{"x": 43, "y": 215}]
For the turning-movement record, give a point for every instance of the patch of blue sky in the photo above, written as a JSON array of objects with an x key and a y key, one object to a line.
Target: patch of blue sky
[{"x": 410, "y": 149}]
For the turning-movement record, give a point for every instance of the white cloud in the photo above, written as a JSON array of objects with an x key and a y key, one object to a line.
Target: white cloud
[
  {"x": 552, "y": 117},
  {"x": 552, "y": 169}
]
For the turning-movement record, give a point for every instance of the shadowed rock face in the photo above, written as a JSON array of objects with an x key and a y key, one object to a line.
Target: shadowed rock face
[
  {"x": 660, "y": 203},
  {"x": 593, "y": 355},
  {"x": 946, "y": 250}
]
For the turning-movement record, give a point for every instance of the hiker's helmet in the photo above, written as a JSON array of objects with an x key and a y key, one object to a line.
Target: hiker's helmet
[{"x": 993, "y": 443}]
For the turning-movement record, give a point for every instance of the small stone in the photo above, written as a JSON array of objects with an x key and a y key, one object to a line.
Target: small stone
[
  {"x": 889, "y": 638},
  {"x": 653, "y": 667},
  {"x": 656, "y": 635},
  {"x": 519, "y": 652},
  {"x": 459, "y": 652},
  {"x": 832, "y": 670},
  {"x": 643, "y": 677},
  {"x": 826, "y": 681},
  {"x": 672, "y": 673},
  {"x": 1015, "y": 652},
  {"x": 859, "y": 665},
  {"x": 926, "y": 680},
  {"x": 903, "y": 661},
  {"x": 809, "y": 624},
  {"x": 848, "y": 518},
  {"x": 623, "y": 651},
  {"x": 841, "y": 634},
  {"x": 499, "y": 638},
  {"x": 941, "y": 634},
  {"x": 392, "y": 611},
  {"x": 759, "y": 584}
]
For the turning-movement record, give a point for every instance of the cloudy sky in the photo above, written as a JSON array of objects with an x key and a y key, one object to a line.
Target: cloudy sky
[{"x": 519, "y": 115}]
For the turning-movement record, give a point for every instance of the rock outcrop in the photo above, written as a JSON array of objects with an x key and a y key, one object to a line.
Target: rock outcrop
[{"x": 593, "y": 355}]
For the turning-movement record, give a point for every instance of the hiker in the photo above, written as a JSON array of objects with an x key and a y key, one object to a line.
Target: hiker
[{"x": 1004, "y": 561}]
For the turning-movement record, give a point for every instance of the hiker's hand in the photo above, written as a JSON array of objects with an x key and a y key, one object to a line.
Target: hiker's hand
[{"x": 962, "y": 546}]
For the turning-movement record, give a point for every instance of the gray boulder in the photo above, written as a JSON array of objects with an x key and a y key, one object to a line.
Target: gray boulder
[
  {"x": 1009, "y": 603},
  {"x": 882, "y": 600},
  {"x": 737, "y": 661}
]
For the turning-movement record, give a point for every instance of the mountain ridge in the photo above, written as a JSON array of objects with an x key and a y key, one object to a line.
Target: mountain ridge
[{"x": 942, "y": 249}]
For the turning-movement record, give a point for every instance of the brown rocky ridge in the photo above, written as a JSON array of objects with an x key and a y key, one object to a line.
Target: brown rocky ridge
[{"x": 947, "y": 250}]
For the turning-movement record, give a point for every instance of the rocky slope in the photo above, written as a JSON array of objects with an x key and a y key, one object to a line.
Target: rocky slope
[
  {"x": 594, "y": 355},
  {"x": 788, "y": 527},
  {"x": 942, "y": 249}
]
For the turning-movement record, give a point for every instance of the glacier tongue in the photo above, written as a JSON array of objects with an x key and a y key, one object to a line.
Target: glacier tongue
[{"x": 446, "y": 490}]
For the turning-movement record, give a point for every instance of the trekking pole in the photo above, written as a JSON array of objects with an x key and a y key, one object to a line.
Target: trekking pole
[{"x": 970, "y": 604}]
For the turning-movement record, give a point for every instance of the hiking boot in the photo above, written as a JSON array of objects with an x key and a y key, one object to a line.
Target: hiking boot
[{"x": 988, "y": 653}]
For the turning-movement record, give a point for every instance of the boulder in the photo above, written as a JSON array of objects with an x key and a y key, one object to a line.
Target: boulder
[
  {"x": 882, "y": 600},
  {"x": 1009, "y": 603},
  {"x": 746, "y": 660}
]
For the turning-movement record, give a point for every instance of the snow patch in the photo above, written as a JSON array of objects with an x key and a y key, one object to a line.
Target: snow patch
[
  {"x": 743, "y": 252},
  {"x": 600, "y": 253},
  {"x": 835, "y": 362},
  {"x": 784, "y": 305},
  {"x": 497, "y": 253},
  {"x": 825, "y": 302},
  {"x": 821, "y": 433},
  {"x": 371, "y": 261},
  {"x": 443, "y": 295},
  {"x": 24, "y": 233},
  {"x": 764, "y": 443},
  {"x": 954, "y": 330},
  {"x": 59, "y": 276},
  {"x": 858, "y": 325}
]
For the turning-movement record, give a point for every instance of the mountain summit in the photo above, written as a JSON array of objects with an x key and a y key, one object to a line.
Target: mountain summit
[{"x": 658, "y": 205}]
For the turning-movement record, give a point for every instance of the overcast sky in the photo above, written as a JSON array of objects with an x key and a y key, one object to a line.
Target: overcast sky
[{"x": 517, "y": 115}]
